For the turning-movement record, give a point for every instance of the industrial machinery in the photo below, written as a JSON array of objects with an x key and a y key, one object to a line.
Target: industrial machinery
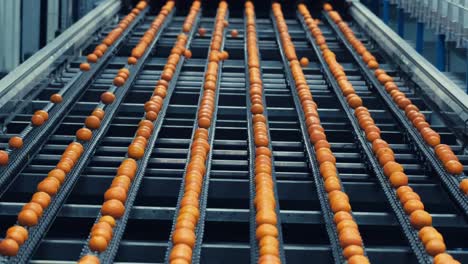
[{"x": 59, "y": 81}]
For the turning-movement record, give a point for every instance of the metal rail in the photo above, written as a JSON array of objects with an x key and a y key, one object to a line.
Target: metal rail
[
  {"x": 71, "y": 92},
  {"x": 425, "y": 153},
  {"x": 37, "y": 232},
  {"x": 206, "y": 179},
  {"x": 251, "y": 149},
  {"x": 410, "y": 233}
]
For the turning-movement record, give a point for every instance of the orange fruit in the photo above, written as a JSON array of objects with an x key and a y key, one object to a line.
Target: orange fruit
[
  {"x": 89, "y": 259},
  {"x": 435, "y": 246},
  {"x": 420, "y": 219},
  {"x": 85, "y": 66},
  {"x": 358, "y": 259},
  {"x": 304, "y": 62},
  {"x": 181, "y": 251},
  {"x": 4, "y": 158},
  {"x": 118, "y": 193},
  {"x": 15, "y": 142},
  {"x": 84, "y": 134},
  {"x": 352, "y": 250},
  {"x": 98, "y": 243},
  {"x": 464, "y": 186},
  {"x": 92, "y": 122},
  {"x": 9, "y": 247},
  {"x": 18, "y": 234},
  {"x": 413, "y": 205},
  {"x": 392, "y": 167},
  {"x": 266, "y": 230},
  {"x": 442, "y": 258},
  {"x": 454, "y": 167},
  {"x": 56, "y": 98},
  {"x": 37, "y": 120},
  {"x": 108, "y": 219},
  {"x": 41, "y": 198},
  {"x": 398, "y": 179},
  {"x": 28, "y": 217},
  {"x": 37, "y": 208},
  {"x": 184, "y": 236},
  {"x": 114, "y": 208},
  {"x": 107, "y": 97}
]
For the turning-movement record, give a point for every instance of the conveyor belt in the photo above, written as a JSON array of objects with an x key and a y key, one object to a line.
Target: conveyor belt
[{"x": 226, "y": 236}]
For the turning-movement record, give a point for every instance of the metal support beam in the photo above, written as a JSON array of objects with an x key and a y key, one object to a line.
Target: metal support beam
[
  {"x": 466, "y": 72},
  {"x": 440, "y": 52},
  {"x": 420, "y": 37},
  {"x": 386, "y": 11},
  {"x": 401, "y": 22},
  {"x": 10, "y": 21}
]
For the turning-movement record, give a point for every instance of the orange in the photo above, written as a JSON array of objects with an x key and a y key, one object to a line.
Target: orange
[
  {"x": 304, "y": 62},
  {"x": 234, "y": 33},
  {"x": 84, "y": 134},
  {"x": 202, "y": 32},
  {"x": 37, "y": 208},
  {"x": 392, "y": 167},
  {"x": 85, "y": 66},
  {"x": 435, "y": 246},
  {"x": 184, "y": 236},
  {"x": 49, "y": 185},
  {"x": 4, "y": 158},
  {"x": 352, "y": 250},
  {"x": 37, "y": 120},
  {"x": 341, "y": 216},
  {"x": 107, "y": 97},
  {"x": 107, "y": 234},
  {"x": 266, "y": 230},
  {"x": 118, "y": 193},
  {"x": 403, "y": 189},
  {"x": 18, "y": 234},
  {"x": 349, "y": 238},
  {"x": 181, "y": 251},
  {"x": 398, "y": 179},
  {"x": 56, "y": 98},
  {"x": 98, "y": 243},
  {"x": 266, "y": 217},
  {"x": 108, "y": 219},
  {"x": 92, "y": 122},
  {"x": 420, "y": 219},
  {"x": 28, "y": 218},
  {"x": 454, "y": 167},
  {"x": 114, "y": 208},
  {"x": 413, "y": 205},
  {"x": 358, "y": 259},
  {"x": 41, "y": 198},
  {"x": 89, "y": 259},
  {"x": 464, "y": 186},
  {"x": 442, "y": 258},
  {"x": 407, "y": 196},
  {"x": 15, "y": 142},
  {"x": 9, "y": 247}
]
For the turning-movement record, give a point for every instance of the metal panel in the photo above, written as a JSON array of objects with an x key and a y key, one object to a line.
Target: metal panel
[{"x": 10, "y": 22}]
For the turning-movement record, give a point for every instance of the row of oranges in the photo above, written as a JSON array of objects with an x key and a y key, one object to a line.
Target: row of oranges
[
  {"x": 419, "y": 218},
  {"x": 40, "y": 116},
  {"x": 432, "y": 138},
  {"x": 113, "y": 36},
  {"x": 348, "y": 232},
  {"x": 194, "y": 9},
  {"x": 49, "y": 187},
  {"x": 116, "y": 196},
  {"x": 31, "y": 212},
  {"x": 183, "y": 237},
  {"x": 265, "y": 203}
]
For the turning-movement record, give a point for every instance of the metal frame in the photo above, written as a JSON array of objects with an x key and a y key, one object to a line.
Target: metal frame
[{"x": 445, "y": 94}]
